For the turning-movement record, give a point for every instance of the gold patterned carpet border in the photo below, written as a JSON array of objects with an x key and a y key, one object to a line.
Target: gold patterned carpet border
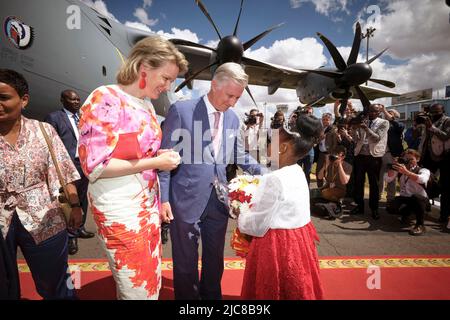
[{"x": 336, "y": 263}]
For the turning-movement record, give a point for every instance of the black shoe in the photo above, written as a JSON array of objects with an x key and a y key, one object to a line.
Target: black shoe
[
  {"x": 417, "y": 231},
  {"x": 443, "y": 219},
  {"x": 164, "y": 232},
  {"x": 73, "y": 246},
  {"x": 84, "y": 234},
  {"x": 375, "y": 214},
  {"x": 356, "y": 211}
]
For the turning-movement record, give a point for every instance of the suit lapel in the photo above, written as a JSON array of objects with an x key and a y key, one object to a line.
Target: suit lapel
[
  {"x": 201, "y": 115},
  {"x": 67, "y": 122}
]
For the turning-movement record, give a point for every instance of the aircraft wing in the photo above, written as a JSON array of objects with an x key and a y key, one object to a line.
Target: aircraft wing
[
  {"x": 375, "y": 93},
  {"x": 260, "y": 73}
]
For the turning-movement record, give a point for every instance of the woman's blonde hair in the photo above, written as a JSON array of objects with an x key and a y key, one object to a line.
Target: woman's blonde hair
[{"x": 154, "y": 51}]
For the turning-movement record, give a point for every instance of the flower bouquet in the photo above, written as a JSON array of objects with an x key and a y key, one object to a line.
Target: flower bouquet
[{"x": 241, "y": 190}]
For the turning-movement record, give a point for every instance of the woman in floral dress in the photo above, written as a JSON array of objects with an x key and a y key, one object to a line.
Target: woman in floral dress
[{"x": 119, "y": 152}]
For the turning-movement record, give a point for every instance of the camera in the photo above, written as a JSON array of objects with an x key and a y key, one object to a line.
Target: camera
[
  {"x": 421, "y": 117},
  {"x": 332, "y": 157},
  {"x": 358, "y": 119},
  {"x": 399, "y": 161}
]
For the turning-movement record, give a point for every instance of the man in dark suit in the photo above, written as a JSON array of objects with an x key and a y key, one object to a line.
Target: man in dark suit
[
  {"x": 205, "y": 132},
  {"x": 65, "y": 122}
]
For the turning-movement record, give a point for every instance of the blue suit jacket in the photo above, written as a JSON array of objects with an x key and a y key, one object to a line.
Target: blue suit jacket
[
  {"x": 59, "y": 120},
  {"x": 186, "y": 129}
]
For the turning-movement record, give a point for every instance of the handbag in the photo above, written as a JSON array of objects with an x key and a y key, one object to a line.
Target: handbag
[{"x": 63, "y": 193}]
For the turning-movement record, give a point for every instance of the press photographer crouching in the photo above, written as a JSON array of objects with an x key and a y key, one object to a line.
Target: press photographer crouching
[
  {"x": 337, "y": 176},
  {"x": 413, "y": 195}
]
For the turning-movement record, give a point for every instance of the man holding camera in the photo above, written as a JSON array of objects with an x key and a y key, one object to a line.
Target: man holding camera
[
  {"x": 337, "y": 176},
  {"x": 370, "y": 139},
  {"x": 250, "y": 131},
  {"x": 437, "y": 154},
  {"x": 394, "y": 149},
  {"x": 413, "y": 196}
]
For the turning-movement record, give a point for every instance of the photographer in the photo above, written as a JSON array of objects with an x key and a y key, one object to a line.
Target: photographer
[
  {"x": 337, "y": 176},
  {"x": 307, "y": 161},
  {"x": 437, "y": 154},
  {"x": 327, "y": 144},
  {"x": 250, "y": 132},
  {"x": 370, "y": 139},
  {"x": 394, "y": 148},
  {"x": 277, "y": 120},
  {"x": 413, "y": 196},
  {"x": 344, "y": 138}
]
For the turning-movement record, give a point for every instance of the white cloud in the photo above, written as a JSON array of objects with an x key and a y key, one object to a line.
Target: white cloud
[
  {"x": 417, "y": 32},
  {"x": 325, "y": 7},
  {"x": 292, "y": 52},
  {"x": 411, "y": 28},
  {"x": 147, "y": 3},
  {"x": 142, "y": 15},
  {"x": 185, "y": 34},
  {"x": 100, "y": 7}
]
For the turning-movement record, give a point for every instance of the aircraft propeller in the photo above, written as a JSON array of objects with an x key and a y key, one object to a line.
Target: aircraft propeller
[
  {"x": 351, "y": 73},
  {"x": 229, "y": 49}
]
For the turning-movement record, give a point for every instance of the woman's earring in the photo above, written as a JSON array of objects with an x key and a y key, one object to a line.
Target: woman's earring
[{"x": 142, "y": 82}]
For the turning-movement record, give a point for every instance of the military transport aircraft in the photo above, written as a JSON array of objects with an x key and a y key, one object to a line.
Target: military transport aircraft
[{"x": 54, "y": 53}]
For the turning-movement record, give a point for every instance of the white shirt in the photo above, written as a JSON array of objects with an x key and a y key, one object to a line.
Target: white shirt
[
  {"x": 70, "y": 115},
  {"x": 251, "y": 133},
  {"x": 281, "y": 201},
  {"x": 210, "y": 109},
  {"x": 409, "y": 187}
]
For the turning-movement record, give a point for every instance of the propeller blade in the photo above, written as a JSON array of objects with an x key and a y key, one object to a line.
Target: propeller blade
[
  {"x": 343, "y": 106},
  {"x": 355, "y": 47},
  {"x": 373, "y": 58},
  {"x": 183, "y": 42},
  {"x": 364, "y": 100},
  {"x": 314, "y": 102},
  {"x": 192, "y": 77},
  {"x": 251, "y": 42},
  {"x": 325, "y": 73},
  {"x": 256, "y": 63},
  {"x": 239, "y": 17},
  {"x": 337, "y": 58},
  {"x": 385, "y": 83},
  {"x": 206, "y": 13},
  {"x": 251, "y": 96}
]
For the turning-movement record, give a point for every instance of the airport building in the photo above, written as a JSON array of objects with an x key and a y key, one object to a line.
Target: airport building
[{"x": 408, "y": 105}]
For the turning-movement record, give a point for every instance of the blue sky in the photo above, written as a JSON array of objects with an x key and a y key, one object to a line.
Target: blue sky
[
  {"x": 257, "y": 16},
  {"x": 417, "y": 33}
]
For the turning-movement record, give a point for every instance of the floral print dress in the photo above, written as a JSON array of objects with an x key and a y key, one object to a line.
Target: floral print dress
[{"x": 115, "y": 124}]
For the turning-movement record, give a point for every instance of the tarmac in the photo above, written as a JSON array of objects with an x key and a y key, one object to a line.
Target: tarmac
[{"x": 348, "y": 235}]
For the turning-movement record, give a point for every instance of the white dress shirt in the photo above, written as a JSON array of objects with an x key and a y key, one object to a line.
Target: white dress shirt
[
  {"x": 281, "y": 201},
  {"x": 409, "y": 187},
  {"x": 210, "y": 109},
  {"x": 71, "y": 116}
]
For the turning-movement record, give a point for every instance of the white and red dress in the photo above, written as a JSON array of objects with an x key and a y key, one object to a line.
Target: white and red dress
[{"x": 282, "y": 263}]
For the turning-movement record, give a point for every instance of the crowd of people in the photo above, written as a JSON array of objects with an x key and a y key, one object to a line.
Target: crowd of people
[
  {"x": 375, "y": 144},
  {"x": 134, "y": 176}
]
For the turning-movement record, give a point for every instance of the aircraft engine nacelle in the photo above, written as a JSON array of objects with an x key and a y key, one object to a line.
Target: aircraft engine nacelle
[{"x": 313, "y": 86}]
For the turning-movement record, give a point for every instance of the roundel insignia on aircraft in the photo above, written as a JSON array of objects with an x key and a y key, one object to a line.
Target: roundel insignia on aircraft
[{"x": 18, "y": 33}]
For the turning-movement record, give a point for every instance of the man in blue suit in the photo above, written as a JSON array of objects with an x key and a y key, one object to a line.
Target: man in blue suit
[
  {"x": 65, "y": 121},
  {"x": 205, "y": 132}
]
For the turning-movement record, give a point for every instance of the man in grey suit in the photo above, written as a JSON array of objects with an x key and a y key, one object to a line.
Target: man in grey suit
[
  {"x": 205, "y": 132},
  {"x": 371, "y": 141}
]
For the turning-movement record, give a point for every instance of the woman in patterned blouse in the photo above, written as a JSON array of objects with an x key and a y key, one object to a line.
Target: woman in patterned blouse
[
  {"x": 30, "y": 216},
  {"x": 119, "y": 153}
]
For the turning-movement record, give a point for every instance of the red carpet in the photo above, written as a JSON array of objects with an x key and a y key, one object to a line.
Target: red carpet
[{"x": 409, "y": 278}]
